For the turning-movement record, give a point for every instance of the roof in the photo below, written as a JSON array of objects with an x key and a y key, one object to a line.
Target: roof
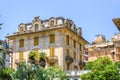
[{"x": 117, "y": 22}]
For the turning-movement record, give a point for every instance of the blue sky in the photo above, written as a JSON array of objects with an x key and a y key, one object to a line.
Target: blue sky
[{"x": 94, "y": 16}]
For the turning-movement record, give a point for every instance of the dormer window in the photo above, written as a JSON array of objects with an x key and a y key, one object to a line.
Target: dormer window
[
  {"x": 52, "y": 23},
  {"x": 67, "y": 23},
  {"x": 21, "y": 29},
  {"x": 36, "y": 27}
]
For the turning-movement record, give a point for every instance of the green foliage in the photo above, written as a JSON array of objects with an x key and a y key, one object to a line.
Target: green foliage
[
  {"x": 31, "y": 54},
  {"x": 102, "y": 69},
  {"x": 88, "y": 66},
  {"x": 43, "y": 55},
  {"x": 117, "y": 64},
  {"x": 1, "y": 48},
  {"x": 31, "y": 72},
  {"x": 1, "y": 60},
  {"x": 55, "y": 72},
  {"x": 5, "y": 73},
  {"x": 1, "y": 57},
  {"x": 24, "y": 71}
]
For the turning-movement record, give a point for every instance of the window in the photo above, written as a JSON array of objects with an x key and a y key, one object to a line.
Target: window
[
  {"x": 75, "y": 67},
  {"x": 21, "y": 43},
  {"x": 21, "y": 55},
  {"x": 36, "y": 41},
  {"x": 118, "y": 49},
  {"x": 74, "y": 55},
  {"x": 80, "y": 58},
  {"x": 68, "y": 52},
  {"x": 74, "y": 44},
  {"x": 68, "y": 66},
  {"x": 52, "y": 64},
  {"x": 80, "y": 46},
  {"x": 52, "y": 52},
  {"x": 52, "y": 38},
  {"x": 36, "y": 27},
  {"x": 86, "y": 58},
  {"x": 36, "y": 54},
  {"x": 52, "y": 23},
  {"x": 67, "y": 40}
]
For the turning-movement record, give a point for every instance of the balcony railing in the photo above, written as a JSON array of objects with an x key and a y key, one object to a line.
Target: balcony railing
[
  {"x": 69, "y": 59},
  {"x": 52, "y": 59},
  {"x": 17, "y": 61}
]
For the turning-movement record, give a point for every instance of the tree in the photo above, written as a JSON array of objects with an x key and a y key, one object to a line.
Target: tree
[
  {"x": 42, "y": 59},
  {"x": 117, "y": 64},
  {"x": 55, "y": 72},
  {"x": 29, "y": 71},
  {"x": 88, "y": 66},
  {"x": 1, "y": 57},
  {"x": 41, "y": 74},
  {"x": 5, "y": 73},
  {"x": 102, "y": 69},
  {"x": 24, "y": 71},
  {"x": 31, "y": 57}
]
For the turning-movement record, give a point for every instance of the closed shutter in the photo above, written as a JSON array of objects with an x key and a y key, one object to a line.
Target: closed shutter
[
  {"x": 21, "y": 43},
  {"x": 36, "y": 54},
  {"x": 36, "y": 41},
  {"x": 21, "y": 55},
  {"x": 52, "y": 38},
  {"x": 68, "y": 52},
  {"x": 52, "y": 52}
]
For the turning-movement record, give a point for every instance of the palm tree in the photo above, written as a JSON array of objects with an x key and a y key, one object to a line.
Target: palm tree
[
  {"x": 42, "y": 59},
  {"x": 1, "y": 57},
  {"x": 31, "y": 57}
]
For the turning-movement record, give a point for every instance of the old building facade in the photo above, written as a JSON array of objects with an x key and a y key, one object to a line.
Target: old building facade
[
  {"x": 100, "y": 48},
  {"x": 57, "y": 37}
]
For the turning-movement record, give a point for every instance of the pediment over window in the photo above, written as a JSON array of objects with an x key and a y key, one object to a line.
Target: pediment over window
[
  {"x": 79, "y": 31},
  {"x": 21, "y": 28},
  {"x": 36, "y": 24},
  {"x": 67, "y": 23},
  {"x": 52, "y": 22},
  {"x": 73, "y": 27}
]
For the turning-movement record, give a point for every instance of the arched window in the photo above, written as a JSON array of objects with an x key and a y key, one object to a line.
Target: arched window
[
  {"x": 36, "y": 27},
  {"x": 52, "y": 23},
  {"x": 21, "y": 29}
]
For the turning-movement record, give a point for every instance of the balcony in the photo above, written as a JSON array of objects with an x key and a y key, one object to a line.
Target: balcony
[
  {"x": 69, "y": 59},
  {"x": 52, "y": 59},
  {"x": 17, "y": 61},
  {"x": 81, "y": 63}
]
